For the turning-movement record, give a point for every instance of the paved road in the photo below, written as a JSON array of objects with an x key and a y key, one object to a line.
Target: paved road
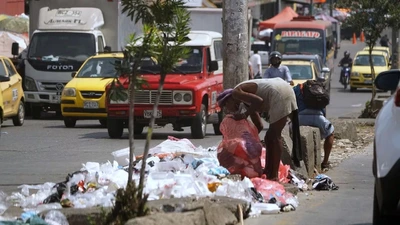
[
  {"x": 343, "y": 102},
  {"x": 44, "y": 150},
  {"x": 350, "y": 205}
]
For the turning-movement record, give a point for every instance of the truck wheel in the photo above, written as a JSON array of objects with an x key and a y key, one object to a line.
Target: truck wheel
[
  {"x": 199, "y": 125},
  {"x": 36, "y": 112},
  {"x": 115, "y": 128},
  {"x": 138, "y": 129},
  {"x": 353, "y": 89},
  {"x": 69, "y": 122},
  {"x": 103, "y": 122},
  {"x": 217, "y": 125},
  {"x": 19, "y": 119}
]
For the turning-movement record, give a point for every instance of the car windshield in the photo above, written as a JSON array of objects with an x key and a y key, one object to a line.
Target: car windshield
[
  {"x": 193, "y": 63},
  {"x": 363, "y": 60},
  {"x": 300, "y": 72},
  {"x": 57, "y": 46},
  {"x": 99, "y": 68}
]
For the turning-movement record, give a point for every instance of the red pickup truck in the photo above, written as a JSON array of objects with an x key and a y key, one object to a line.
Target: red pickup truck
[{"x": 189, "y": 96}]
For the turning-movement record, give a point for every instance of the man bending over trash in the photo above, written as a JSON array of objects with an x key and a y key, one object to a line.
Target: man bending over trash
[{"x": 276, "y": 98}]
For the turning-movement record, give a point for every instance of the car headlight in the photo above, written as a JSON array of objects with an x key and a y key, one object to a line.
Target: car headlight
[
  {"x": 69, "y": 92},
  {"x": 30, "y": 84},
  {"x": 182, "y": 97},
  {"x": 355, "y": 74}
]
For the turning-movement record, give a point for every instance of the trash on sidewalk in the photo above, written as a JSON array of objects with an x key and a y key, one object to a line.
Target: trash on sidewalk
[
  {"x": 174, "y": 169},
  {"x": 324, "y": 182}
]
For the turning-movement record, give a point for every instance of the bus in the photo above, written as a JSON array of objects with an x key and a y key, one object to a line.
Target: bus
[{"x": 305, "y": 35}]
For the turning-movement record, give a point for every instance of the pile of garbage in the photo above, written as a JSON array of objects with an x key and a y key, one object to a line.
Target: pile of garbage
[{"x": 174, "y": 169}]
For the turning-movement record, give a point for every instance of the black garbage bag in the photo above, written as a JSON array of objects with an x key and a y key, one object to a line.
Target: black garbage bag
[
  {"x": 61, "y": 187},
  {"x": 324, "y": 183}
]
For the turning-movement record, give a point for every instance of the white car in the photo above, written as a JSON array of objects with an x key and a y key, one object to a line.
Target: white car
[
  {"x": 386, "y": 160},
  {"x": 262, "y": 49}
]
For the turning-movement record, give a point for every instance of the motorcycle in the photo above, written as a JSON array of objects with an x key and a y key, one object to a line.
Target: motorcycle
[{"x": 345, "y": 74}]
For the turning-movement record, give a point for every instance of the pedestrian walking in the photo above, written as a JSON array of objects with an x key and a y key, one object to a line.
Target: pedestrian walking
[
  {"x": 385, "y": 41},
  {"x": 255, "y": 61}
]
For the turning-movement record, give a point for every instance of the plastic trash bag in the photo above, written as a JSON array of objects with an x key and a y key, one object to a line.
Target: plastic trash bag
[
  {"x": 272, "y": 191},
  {"x": 240, "y": 149},
  {"x": 324, "y": 182},
  {"x": 3, "y": 202},
  {"x": 55, "y": 217}
]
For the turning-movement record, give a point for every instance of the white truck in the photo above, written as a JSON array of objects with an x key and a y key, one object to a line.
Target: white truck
[{"x": 63, "y": 34}]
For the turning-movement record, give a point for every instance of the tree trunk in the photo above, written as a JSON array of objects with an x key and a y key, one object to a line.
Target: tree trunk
[
  {"x": 395, "y": 49},
  {"x": 150, "y": 133},
  {"x": 235, "y": 42},
  {"x": 372, "y": 77},
  {"x": 131, "y": 125}
]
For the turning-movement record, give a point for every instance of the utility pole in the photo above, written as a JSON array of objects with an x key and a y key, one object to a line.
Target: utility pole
[
  {"x": 311, "y": 7},
  {"x": 235, "y": 41},
  {"x": 277, "y": 6},
  {"x": 331, "y": 8}
]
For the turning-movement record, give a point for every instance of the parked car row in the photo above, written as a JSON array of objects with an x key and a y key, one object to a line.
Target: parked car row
[
  {"x": 188, "y": 98},
  {"x": 11, "y": 95}
]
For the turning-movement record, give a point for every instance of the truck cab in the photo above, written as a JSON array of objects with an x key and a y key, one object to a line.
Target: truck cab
[
  {"x": 65, "y": 38},
  {"x": 189, "y": 96}
]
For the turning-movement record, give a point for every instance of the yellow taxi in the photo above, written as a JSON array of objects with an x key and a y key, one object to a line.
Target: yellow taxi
[
  {"x": 361, "y": 70},
  {"x": 380, "y": 49},
  {"x": 12, "y": 95},
  {"x": 84, "y": 97},
  {"x": 303, "y": 70}
]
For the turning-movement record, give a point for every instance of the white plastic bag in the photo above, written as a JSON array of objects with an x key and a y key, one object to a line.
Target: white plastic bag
[{"x": 55, "y": 217}]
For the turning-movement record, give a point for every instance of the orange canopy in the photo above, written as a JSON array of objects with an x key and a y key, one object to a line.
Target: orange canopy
[{"x": 285, "y": 15}]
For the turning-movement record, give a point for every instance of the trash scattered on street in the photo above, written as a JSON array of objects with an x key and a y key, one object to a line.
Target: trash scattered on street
[
  {"x": 323, "y": 182},
  {"x": 174, "y": 169}
]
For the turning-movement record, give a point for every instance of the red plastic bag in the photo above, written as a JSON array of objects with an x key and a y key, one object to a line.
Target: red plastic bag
[
  {"x": 270, "y": 189},
  {"x": 283, "y": 171},
  {"x": 240, "y": 149}
]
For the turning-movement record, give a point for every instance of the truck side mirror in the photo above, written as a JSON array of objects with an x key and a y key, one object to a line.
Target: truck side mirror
[
  {"x": 15, "y": 48},
  {"x": 213, "y": 66},
  {"x": 107, "y": 49},
  {"x": 73, "y": 74}
]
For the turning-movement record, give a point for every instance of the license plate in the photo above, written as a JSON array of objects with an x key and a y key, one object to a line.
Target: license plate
[
  {"x": 368, "y": 82},
  {"x": 90, "y": 105},
  {"x": 147, "y": 114}
]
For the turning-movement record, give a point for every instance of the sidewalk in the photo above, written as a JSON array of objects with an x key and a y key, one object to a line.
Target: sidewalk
[{"x": 351, "y": 204}]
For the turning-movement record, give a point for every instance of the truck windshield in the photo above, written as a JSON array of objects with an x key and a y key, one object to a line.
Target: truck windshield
[
  {"x": 99, "y": 68},
  {"x": 192, "y": 63},
  {"x": 61, "y": 46},
  {"x": 299, "y": 41}
]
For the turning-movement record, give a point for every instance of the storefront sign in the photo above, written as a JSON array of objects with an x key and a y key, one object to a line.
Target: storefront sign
[{"x": 298, "y": 33}]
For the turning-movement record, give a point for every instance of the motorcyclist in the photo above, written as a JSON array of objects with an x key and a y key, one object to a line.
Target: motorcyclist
[{"x": 345, "y": 60}]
